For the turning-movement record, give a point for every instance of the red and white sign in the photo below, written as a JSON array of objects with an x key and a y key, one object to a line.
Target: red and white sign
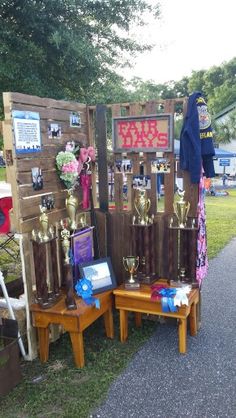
[{"x": 143, "y": 133}]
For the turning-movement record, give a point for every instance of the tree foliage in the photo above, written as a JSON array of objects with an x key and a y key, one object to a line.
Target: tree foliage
[
  {"x": 226, "y": 129},
  {"x": 66, "y": 48}
]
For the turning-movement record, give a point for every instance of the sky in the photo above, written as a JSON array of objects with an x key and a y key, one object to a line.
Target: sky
[{"x": 190, "y": 36}]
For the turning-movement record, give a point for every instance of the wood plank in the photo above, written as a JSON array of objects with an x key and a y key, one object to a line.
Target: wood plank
[
  {"x": 169, "y": 179},
  {"x": 36, "y": 100},
  {"x": 101, "y": 135}
]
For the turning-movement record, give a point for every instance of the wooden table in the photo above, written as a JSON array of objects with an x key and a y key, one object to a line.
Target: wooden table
[
  {"x": 139, "y": 301},
  {"x": 73, "y": 321}
]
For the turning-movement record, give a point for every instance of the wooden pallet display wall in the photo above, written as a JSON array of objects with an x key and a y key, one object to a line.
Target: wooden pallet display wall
[
  {"x": 26, "y": 200},
  {"x": 116, "y": 235}
]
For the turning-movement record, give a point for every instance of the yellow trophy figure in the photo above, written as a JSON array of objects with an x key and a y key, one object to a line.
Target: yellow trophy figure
[
  {"x": 142, "y": 206},
  {"x": 181, "y": 209},
  {"x": 65, "y": 234},
  {"x": 71, "y": 207},
  {"x": 43, "y": 220}
]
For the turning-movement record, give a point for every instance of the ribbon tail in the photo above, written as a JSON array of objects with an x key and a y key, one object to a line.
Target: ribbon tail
[
  {"x": 93, "y": 301},
  {"x": 172, "y": 307},
  {"x": 164, "y": 304}
]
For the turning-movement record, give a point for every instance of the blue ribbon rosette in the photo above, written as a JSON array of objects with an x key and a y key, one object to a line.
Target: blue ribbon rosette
[
  {"x": 84, "y": 289},
  {"x": 167, "y": 299}
]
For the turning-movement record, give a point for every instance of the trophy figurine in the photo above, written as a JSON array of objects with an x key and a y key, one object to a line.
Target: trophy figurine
[
  {"x": 43, "y": 220},
  {"x": 131, "y": 264},
  {"x": 70, "y": 300},
  {"x": 71, "y": 207},
  {"x": 142, "y": 206},
  {"x": 181, "y": 209}
]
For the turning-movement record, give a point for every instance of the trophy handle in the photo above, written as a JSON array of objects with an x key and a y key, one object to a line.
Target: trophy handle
[{"x": 125, "y": 264}]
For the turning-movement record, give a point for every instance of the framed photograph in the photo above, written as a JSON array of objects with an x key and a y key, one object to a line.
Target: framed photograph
[
  {"x": 100, "y": 273},
  {"x": 160, "y": 165},
  {"x": 141, "y": 182},
  {"x": 37, "y": 178},
  {"x": 54, "y": 131},
  {"x": 75, "y": 120},
  {"x": 146, "y": 133}
]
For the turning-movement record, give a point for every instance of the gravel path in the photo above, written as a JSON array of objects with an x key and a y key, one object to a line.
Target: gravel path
[{"x": 159, "y": 382}]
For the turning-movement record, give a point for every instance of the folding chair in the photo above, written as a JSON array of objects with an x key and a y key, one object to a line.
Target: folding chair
[{"x": 6, "y": 236}]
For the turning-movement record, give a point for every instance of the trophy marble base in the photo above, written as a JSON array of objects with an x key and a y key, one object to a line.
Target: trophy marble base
[
  {"x": 132, "y": 286},
  {"x": 147, "y": 279}
]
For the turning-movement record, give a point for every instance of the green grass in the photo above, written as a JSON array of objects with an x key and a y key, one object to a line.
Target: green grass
[
  {"x": 2, "y": 174},
  {"x": 221, "y": 221},
  {"x": 64, "y": 391}
]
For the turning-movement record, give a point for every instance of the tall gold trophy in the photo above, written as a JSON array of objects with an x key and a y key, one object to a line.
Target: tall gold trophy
[
  {"x": 71, "y": 207},
  {"x": 142, "y": 205},
  {"x": 131, "y": 264},
  {"x": 181, "y": 210}
]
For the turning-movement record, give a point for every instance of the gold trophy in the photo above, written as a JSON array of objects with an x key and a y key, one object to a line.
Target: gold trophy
[
  {"x": 65, "y": 234},
  {"x": 131, "y": 264},
  {"x": 181, "y": 209},
  {"x": 142, "y": 206},
  {"x": 43, "y": 220},
  {"x": 71, "y": 207}
]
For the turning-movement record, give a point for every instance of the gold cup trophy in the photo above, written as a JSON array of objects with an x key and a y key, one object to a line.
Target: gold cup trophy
[
  {"x": 142, "y": 205},
  {"x": 131, "y": 264},
  {"x": 181, "y": 210}
]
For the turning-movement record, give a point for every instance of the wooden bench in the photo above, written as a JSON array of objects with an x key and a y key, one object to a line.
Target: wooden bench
[
  {"x": 139, "y": 301},
  {"x": 73, "y": 321}
]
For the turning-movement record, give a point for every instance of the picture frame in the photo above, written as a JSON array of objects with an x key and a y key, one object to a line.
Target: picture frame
[{"x": 100, "y": 273}]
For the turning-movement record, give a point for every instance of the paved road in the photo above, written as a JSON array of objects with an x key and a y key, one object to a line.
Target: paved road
[{"x": 159, "y": 382}]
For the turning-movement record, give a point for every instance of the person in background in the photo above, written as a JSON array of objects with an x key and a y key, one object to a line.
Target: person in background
[{"x": 224, "y": 178}]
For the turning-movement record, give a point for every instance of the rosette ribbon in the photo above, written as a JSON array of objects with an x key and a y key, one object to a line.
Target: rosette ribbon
[
  {"x": 181, "y": 297},
  {"x": 166, "y": 294},
  {"x": 84, "y": 289}
]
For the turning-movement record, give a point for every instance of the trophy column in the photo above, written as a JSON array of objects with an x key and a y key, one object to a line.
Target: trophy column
[
  {"x": 143, "y": 245},
  {"x": 45, "y": 264}
]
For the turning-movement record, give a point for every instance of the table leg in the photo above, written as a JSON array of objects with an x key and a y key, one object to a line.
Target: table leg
[
  {"x": 43, "y": 334},
  {"x": 78, "y": 348},
  {"x": 109, "y": 326},
  {"x": 123, "y": 325},
  {"x": 193, "y": 319},
  {"x": 138, "y": 319},
  {"x": 182, "y": 336}
]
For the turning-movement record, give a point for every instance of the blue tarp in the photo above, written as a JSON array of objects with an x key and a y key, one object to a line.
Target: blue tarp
[{"x": 219, "y": 152}]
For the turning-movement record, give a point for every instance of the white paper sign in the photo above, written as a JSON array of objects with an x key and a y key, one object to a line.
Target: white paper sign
[{"x": 27, "y": 131}]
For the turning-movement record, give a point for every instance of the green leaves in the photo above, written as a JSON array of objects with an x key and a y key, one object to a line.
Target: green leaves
[{"x": 64, "y": 48}]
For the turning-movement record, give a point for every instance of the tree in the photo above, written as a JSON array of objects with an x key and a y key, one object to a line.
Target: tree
[
  {"x": 225, "y": 131},
  {"x": 66, "y": 48},
  {"x": 196, "y": 81}
]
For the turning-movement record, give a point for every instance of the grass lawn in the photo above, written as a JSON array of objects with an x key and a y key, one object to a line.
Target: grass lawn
[
  {"x": 58, "y": 389},
  {"x": 2, "y": 174}
]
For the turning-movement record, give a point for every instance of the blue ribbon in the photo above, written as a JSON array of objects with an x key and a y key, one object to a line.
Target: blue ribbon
[
  {"x": 167, "y": 301},
  {"x": 84, "y": 289}
]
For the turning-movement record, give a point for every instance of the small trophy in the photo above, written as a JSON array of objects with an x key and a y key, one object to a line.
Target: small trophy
[
  {"x": 131, "y": 264},
  {"x": 181, "y": 209}
]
